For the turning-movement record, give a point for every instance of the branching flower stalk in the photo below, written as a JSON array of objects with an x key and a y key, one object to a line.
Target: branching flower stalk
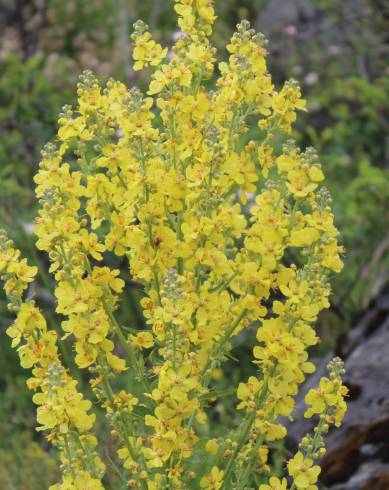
[
  {"x": 170, "y": 181},
  {"x": 62, "y": 412}
]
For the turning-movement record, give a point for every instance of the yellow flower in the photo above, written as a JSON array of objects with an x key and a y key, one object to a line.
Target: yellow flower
[
  {"x": 214, "y": 480},
  {"x": 83, "y": 481},
  {"x": 142, "y": 340},
  {"x": 275, "y": 484},
  {"x": 295, "y": 291},
  {"x": 28, "y": 320},
  {"x": 69, "y": 128},
  {"x": 23, "y": 271},
  {"x": 303, "y": 472},
  {"x": 247, "y": 392},
  {"x": 321, "y": 397},
  {"x": 212, "y": 446},
  {"x": 328, "y": 399},
  {"x": 147, "y": 52},
  {"x": 304, "y": 237},
  {"x": 299, "y": 183}
]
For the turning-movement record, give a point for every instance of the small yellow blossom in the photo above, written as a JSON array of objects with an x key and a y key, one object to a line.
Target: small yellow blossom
[
  {"x": 303, "y": 472},
  {"x": 274, "y": 484},
  {"x": 212, "y": 446},
  {"x": 214, "y": 480},
  {"x": 143, "y": 340}
]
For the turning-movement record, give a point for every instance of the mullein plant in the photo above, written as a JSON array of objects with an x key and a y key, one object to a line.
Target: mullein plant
[{"x": 205, "y": 218}]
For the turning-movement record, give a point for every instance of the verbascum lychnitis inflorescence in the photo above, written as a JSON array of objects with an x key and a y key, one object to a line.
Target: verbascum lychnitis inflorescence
[{"x": 207, "y": 221}]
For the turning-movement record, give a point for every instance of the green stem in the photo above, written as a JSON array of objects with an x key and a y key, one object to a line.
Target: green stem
[
  {"x": 242, "y": 440},
  {"x": 246, "y": 430},
  {"x": 243, "y": 480},
  {"x": 224, "y": 340},
  {"x": 69, "y": 455},
  {"x": 157, "y": 287},
  {"x": 227, "y": 335},
  {"x": 223, "y": 285},
  {"x": 90, "y": 464},
  {"x": 125, "y": 437},
  {"x": 130, "y": 352},
  {"x": 174, "y": 346}
]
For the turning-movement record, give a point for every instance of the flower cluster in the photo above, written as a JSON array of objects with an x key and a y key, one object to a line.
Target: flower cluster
[
  {"x": 327, "y": 400},
  {"x": 221, "y": 231},
  {"x": 62, "y": 411}
]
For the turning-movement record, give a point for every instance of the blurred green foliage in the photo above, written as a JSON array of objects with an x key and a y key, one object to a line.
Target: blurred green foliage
[
  {"x": 24, "y": 465},
  {"x": 29, "y": 103},
  {"x": 336, "y": 49}
]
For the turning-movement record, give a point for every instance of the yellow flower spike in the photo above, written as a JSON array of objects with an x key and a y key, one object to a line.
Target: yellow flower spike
[
  {"x": 168, "y": 182},
  {"x": 62, "y": 410},
  {"x": 328, "y": 397},
  {"x": 146, "y": 51}
]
